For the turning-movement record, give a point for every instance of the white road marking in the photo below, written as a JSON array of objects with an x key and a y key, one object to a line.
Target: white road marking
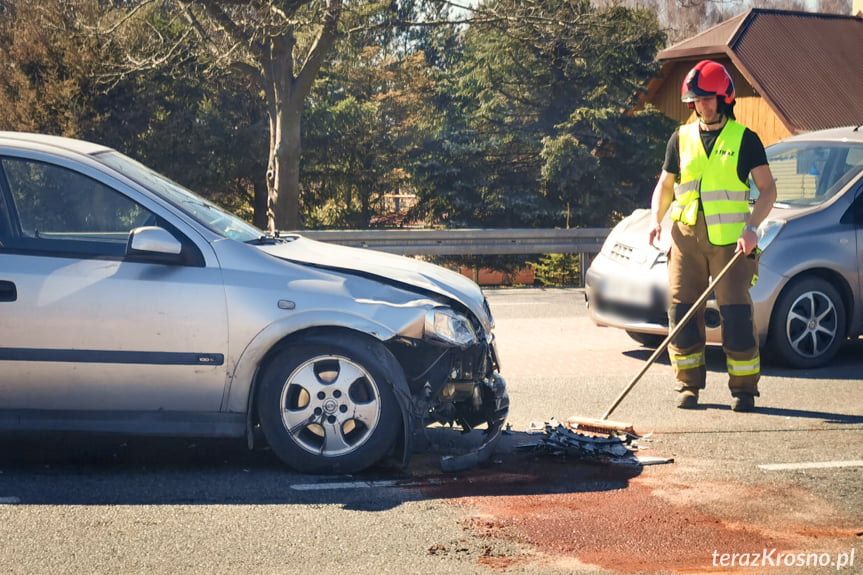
[
  {"x": 342, "y": 485},
  {"x": 811, "y": 465},
  {"x": 9, "y": 500}
]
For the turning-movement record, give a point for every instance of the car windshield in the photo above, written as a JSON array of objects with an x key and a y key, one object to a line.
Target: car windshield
[
  {"x": 810, "y": 173},
  {"x": 203, "y": 211}
]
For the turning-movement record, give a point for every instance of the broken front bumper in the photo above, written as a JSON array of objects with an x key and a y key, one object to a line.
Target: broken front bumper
[{"x": 451, "y": 463}]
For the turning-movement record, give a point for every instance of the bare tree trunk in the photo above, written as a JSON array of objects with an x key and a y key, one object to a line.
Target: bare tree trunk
[
  {"x": 286, "y": 93},
  {"x": 260, "y": 201},
  {"x": 283, "y": 209}
]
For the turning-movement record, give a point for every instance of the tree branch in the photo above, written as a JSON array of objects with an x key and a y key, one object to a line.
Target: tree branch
[
  {"x": 319, "y": 49},
  {"x": 131, "y": 14}
]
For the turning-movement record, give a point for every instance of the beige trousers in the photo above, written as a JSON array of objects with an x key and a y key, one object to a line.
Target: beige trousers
[{"x": 692, "y": 261}]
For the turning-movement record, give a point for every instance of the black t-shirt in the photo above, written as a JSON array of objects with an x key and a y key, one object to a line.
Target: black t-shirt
[{"x": 752, "y": 152}]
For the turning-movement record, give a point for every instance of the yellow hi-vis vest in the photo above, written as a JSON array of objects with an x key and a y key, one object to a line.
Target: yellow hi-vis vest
[{"x": 724, "y": 198}]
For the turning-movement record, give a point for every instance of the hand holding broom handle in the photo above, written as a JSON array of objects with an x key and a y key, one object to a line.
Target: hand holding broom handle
[{"x": 680, "y": 325}]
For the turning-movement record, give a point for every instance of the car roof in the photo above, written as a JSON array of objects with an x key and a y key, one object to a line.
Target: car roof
[
  {"x": 57, "y": 142},
  {"x": 846, "y": 133}
]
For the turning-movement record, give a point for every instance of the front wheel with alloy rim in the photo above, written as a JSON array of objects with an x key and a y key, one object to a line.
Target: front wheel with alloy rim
[
  {"x": 327, "y": 406},
  {"x": 808, "y": 324}
]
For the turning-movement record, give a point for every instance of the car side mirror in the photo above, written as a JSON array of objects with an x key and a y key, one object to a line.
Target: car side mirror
[{"x": 155, "y": 244}]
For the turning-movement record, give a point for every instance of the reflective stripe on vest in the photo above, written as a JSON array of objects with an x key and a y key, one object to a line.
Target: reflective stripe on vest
[
  {"x": 724, "y": 198},
  {"x": 744, "y": 367},
  {"x": 690, "y": 361},
  {"x": 685, "y": 206}
]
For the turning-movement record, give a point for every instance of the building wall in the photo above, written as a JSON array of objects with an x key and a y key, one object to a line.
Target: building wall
[{"x": 751, "y": 110}]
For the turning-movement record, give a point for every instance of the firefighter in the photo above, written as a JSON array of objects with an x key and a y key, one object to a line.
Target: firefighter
[{"x": 705, "y": 183}]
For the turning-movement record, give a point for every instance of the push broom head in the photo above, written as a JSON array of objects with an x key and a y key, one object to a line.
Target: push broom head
[{"x": 599, "y": 426}]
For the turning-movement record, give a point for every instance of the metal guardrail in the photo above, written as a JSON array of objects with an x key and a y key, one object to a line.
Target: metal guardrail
[{"x": 469, "y": 241}]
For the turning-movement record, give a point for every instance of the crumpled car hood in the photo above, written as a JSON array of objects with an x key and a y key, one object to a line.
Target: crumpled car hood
[{"x": 385, "y": 267}]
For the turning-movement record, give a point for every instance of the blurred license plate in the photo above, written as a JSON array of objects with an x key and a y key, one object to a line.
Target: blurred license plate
[{"x": 627, "y": 292}]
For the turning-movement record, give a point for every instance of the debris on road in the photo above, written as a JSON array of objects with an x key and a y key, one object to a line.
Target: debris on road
[
  {"x": 559, "y": 440},
  {"x": 653, "y": 460}
]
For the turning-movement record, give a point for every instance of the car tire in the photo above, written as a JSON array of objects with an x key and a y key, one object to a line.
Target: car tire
[
  {"x": 328, "y": 406},
  {"x": 646, "y": 339},
  {"x": 808, "y": 324}
]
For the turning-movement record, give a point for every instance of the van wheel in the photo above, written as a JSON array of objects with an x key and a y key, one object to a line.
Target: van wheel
[
  {"x": 808, "y": 324},
  {"x": 328, "y": 406}
]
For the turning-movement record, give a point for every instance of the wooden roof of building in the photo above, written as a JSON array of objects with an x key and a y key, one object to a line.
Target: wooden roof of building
[{"x": 807, "y": 66}]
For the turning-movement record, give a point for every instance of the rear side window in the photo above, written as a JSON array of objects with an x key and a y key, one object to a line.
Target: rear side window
[{"x": 57, "y": 209}]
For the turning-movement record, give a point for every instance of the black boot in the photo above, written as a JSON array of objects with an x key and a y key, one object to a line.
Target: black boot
[
  {"x": 744, "y": 402},
  {"x": 687, "y": 398}
]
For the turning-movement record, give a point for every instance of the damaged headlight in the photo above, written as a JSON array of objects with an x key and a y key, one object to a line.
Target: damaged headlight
[{"x": 443, "y": 324}]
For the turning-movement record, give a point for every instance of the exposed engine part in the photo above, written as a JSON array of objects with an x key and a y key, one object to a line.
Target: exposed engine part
[{"x": 497, "y": 407}]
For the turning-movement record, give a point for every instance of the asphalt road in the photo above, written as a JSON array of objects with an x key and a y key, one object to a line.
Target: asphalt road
[{"x": 780, "y": 483}]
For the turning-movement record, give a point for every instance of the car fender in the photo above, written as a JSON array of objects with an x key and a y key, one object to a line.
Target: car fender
[
  {"x": 806, "y": 257},
  {"x": 241, "y": 387},
  {"x": 243, "y": 373}
]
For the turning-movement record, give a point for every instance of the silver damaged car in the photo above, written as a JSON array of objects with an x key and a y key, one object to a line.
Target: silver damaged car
[
  {"x": 130, "y": 304},
  {"x": 807, "y": 300}
]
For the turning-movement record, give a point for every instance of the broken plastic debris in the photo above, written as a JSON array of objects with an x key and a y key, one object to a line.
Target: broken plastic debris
[
  {"x": 560, "y": 440},
  {"x": 536, "y": 427},
  {"x": 650, "y": 460}
]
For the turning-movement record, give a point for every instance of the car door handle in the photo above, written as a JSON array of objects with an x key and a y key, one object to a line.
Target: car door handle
[{"x": 8, "y": 291}]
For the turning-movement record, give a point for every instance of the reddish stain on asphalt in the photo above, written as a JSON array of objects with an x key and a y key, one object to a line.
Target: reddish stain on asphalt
[
  {"x": 607, "y": 517},
  {"x": 627, "y": 530}
]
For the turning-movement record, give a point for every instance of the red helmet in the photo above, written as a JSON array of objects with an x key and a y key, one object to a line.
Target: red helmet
[{"x": 707, "y": 78}]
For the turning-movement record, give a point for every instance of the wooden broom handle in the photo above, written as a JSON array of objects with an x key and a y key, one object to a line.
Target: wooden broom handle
[{"x": 680, "y": 325}]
